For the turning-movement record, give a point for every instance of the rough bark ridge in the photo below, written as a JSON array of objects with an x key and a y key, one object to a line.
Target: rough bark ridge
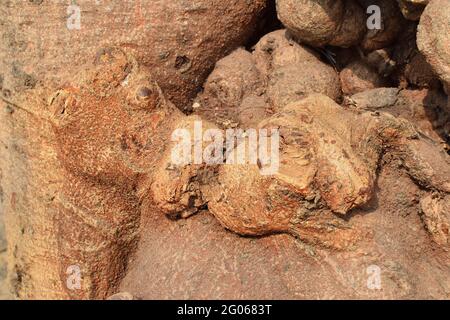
[
  {"x": 180, "y": 41},
  {"x": 92, "y": 149}
]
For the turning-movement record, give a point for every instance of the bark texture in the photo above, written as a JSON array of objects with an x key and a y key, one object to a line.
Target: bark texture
[{"x": 96, "y": 207}]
